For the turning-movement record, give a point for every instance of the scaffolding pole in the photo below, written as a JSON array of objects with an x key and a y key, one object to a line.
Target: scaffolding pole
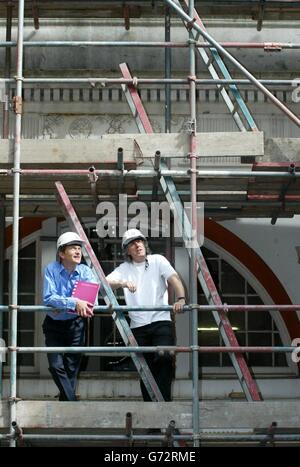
[
  {"x": 267, "y": 46},
  {"x": 93, "y": 81},
  {"x": 151, "y": 349},
  {"x": 7, "y": 71},
  {"x": 193, "y": 282},
  {"x": 262, "y": 439},
  {"x": 16, "y": 208},
  {"x": 205, "y": 308},
  {"x": 168, "y": 72},
  {"x": 2, "y": 248},
  {"x": 137, "y": 173}
]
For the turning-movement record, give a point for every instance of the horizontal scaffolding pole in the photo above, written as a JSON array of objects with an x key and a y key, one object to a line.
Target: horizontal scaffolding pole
[
  {"x": 268, "y": 46},
  {"x": 146, "y": 196},
  {"x": 254, "y": 3},
  {"x": 224, "y": 204},
  {"x": 267, "y": 438},
  {"x": 151, "y": 173},
  {"x": 105, "y": 309},
  {"x": 70, "y": 437},
  {"x": 147, "y": 349},
  {"x": 136, "y": 81}
]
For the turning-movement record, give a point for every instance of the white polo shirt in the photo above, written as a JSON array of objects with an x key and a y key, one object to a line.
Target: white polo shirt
[{"x": 151, "y": 288}]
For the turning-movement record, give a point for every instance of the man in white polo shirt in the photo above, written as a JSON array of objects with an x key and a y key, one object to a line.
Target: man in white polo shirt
[{"x": 145, "y": 280}]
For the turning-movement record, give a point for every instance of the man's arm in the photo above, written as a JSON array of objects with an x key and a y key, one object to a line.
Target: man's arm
[
  {"x": 178, "y": 288},
  {"x": 116, "y": 284}
]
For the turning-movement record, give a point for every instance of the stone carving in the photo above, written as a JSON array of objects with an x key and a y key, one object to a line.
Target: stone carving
[
  {"x": 155, "y": 125},
  {"x": 185, "y": 125},
  {"x": 51, "y": 122},
  {"x": 116, "y": 124},
  {"x": 80, "y": 128}
]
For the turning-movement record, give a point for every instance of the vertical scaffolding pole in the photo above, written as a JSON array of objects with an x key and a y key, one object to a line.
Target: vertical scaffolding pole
[
  {"x": 7, "y": 71},
  {"x": 2, "y": 239},
  {"x": 193, "y": 260},
  {"x": 168, "y": 66},
  {"x": 15, "y": 244}
]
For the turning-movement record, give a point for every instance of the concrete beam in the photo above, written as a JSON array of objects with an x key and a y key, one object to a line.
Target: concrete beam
[
  {"x": 282, "y": 149},
  {"x": 136, "y": 148},
  {"x": 107, "y": 415}
]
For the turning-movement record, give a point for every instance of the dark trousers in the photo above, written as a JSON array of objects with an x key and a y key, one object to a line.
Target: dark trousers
[
  {"x": 64, "y": 367},
  {"x": 161, "y": 366}
]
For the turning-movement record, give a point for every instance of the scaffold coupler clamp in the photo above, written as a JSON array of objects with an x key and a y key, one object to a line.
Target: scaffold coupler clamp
[
  {"x": 157, "y": 162},
  {"x": 169, "y": 435},
  {"x": 129, "y": 426},
  {"x": 15, "y": 171},
  {"x": 18, "y": 432},
  {"x": 192, "y": 78},
  {"x": 135, "y": 81},
  {"x": 292, "y": 169},
  {"x": 270, "y": 435},
  {"x": 17, "y": 105},
  {"x": 192, "y": 171},
  {"x": 14, "y": 399},
  {"x": 190, "y": 24},
  {"x": 272, "y": 47},
  {"x": 193, "y": 41},
  {"x": 93, "y": 177},
  {"x": 190, "y": 126},
  {"x": 13, "y": 307}
]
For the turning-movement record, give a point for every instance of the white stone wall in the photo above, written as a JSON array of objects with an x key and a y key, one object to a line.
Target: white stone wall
[{"x": 94, "y": 58}]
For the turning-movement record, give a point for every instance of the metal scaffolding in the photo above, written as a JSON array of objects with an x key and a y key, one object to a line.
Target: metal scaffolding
[{"x": 209, "y": 50}]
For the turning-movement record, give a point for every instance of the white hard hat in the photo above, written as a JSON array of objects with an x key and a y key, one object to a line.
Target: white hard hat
[
  {"x": 131, "y": 235},
  {"x": 69, "y": 238}
]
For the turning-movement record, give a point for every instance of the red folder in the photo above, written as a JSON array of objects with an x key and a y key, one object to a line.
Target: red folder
[{"x": 87, "y": 291}]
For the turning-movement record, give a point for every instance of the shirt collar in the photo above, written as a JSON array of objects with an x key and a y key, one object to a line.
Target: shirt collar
[{"x": 63, "y": 269}]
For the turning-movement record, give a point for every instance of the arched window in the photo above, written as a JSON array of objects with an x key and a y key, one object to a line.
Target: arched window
[{"x": 252, "y": 328}]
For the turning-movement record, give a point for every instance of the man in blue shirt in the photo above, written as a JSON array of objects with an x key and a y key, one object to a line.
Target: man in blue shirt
[{"x": 65, "y": 326}]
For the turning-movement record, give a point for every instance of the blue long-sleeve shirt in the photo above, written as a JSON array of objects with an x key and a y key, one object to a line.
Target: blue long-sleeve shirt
[{"x": 58, "y": 287}]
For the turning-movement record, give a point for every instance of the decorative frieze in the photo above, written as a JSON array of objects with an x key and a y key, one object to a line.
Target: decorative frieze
[{"x": 74, "y": 94}]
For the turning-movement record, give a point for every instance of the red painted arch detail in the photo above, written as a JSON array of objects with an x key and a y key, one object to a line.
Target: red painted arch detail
[
  {"x": 27, "y": 226},
  {"x": 253, "y": 262}
]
